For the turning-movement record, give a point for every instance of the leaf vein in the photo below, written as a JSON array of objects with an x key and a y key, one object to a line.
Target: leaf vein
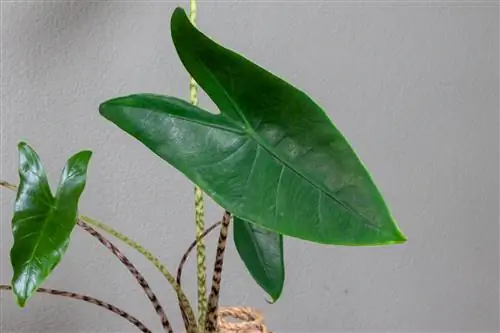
[{"x": 278, "y": 187}]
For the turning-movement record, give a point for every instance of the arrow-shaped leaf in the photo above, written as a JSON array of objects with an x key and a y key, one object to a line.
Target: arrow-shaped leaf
[
  {"x": 272, "y": 156},
  {"x": 42, "y": 223},
  {"x": 262, "y": 252}
]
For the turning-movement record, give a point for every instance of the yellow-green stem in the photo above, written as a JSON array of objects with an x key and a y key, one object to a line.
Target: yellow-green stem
[
  {"x": 184, "y": 302},
  {"x": 199, "y": 209},
  {"x": 185, "y": 305}
]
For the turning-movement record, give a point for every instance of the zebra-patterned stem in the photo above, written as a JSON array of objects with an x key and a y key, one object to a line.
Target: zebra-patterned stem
[
  {"x": 184, "y": 305},
  {"x": 131, "y": 319},
  {"x": 189, "y": 250},
  {"x": 184, "y": 259},
  {"x": 213, "y": 299},
  {"x": 186, "y": 309},
  {"x": 138, "y": 276}
]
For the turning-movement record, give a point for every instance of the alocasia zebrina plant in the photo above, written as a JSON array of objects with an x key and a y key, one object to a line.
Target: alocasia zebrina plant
[{"x": 271, "y": 158}]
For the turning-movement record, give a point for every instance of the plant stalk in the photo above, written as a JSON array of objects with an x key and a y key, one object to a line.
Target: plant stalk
[
  {"x": 137, "y": 275},
  {"x": 189, "y": 250},
  {"x": 213, "y": 300},
  {"x": 186, "y": 309},
  {"x": 201, "y": 269},
  {"x": 131, "y": 319}
]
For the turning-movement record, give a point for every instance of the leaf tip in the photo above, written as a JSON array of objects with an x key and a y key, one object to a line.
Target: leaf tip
[
  {"x": 22, "y": 146},
  {"x": 113, "y": 104},
  {"x": 106, "y": 109},
  {"x": 79, "y": 161},
  {"x": 178, "y": 14},
  {"x": 272, "y": 300},
  {"x": 276, "y": 293},
  {"x": 21, "y": 293},
  {"x": 103, "y": 107},
  {"x": 85, "y": 155},
  {"x": 21, "y": 301},
  {"x": 179, "y": 9},
  {"x": 399, "y": 236},
  {"x": 178, "y": 22}
]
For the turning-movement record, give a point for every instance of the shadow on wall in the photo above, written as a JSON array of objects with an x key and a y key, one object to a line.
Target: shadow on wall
[{"x": 50, "y": 31}]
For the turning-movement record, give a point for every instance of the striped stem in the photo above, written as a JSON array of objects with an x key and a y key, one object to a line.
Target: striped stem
[
  {"x": 213, "y": 300},
  {"x": 189, "y": 250},
  {"x": 185, "y": 307},
  {"x": 138, "y": 276},
  {"x": 131, "y": 319}
]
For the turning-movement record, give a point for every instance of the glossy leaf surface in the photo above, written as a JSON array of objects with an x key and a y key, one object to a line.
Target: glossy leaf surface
[
  {"x": 262, "y": 253},
  {"x": 42, "y": 223},
  {"x": 271, "y": 156}
]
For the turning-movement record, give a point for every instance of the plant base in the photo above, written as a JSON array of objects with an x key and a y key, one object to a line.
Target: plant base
[{"x": 245, "y": 320}]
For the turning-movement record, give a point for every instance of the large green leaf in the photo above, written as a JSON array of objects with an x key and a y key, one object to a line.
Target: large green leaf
[
  {"x": 42, "y": 223},
  {"x": 271, "y": 156},
  {"x": 262, "y": 252}
]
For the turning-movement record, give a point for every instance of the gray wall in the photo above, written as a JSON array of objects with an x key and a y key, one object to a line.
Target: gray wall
[{"x": 414, "y": 88}]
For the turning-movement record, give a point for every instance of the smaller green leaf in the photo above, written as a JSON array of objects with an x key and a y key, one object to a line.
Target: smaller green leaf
[
  {"x": 262, "y": 253},
  {"x": 42, "y": 223}
]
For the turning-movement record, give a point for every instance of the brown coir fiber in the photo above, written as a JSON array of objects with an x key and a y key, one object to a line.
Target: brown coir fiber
[{"x": 241, "y": 320}]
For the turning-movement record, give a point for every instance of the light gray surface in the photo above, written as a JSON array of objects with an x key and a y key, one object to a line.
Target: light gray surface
[{"x": 414, "y": 88}]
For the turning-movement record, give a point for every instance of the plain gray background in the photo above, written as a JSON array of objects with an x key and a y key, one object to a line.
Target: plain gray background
[{"x": 412, "y": 85}]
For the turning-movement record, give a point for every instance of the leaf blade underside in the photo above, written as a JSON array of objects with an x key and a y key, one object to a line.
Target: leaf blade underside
[{"x": 261, "y": 251}]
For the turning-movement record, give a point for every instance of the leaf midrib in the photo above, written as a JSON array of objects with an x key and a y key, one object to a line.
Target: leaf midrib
[
  {"x": 235, "y": 130},
  {"x": 46, "y": 220},
  {"x": 47, "y": 215},
  {"x": 253, "y": 134},
  {"x": 51, "y": 208}
]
